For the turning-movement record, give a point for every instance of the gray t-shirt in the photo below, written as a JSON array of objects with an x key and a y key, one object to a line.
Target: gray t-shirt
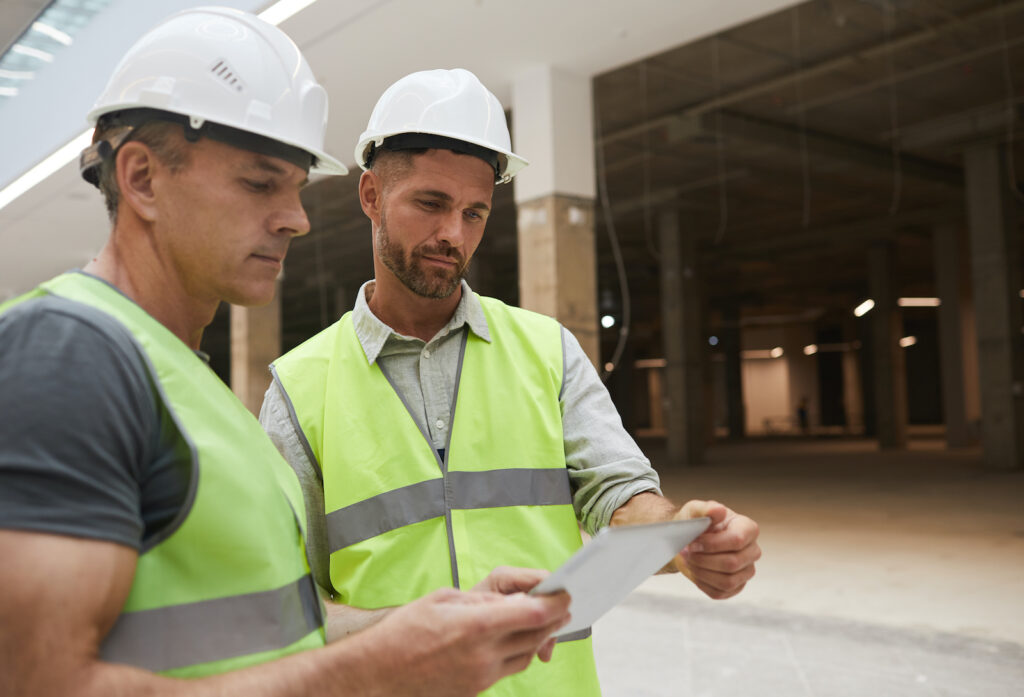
[{"x": 86, "y": 448}]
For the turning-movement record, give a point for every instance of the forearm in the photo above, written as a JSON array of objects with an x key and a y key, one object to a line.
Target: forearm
[
  {"x": 345, "y": 620},
  {"x": 340, "y": 669},
  {"x": 646, "y": 507}
]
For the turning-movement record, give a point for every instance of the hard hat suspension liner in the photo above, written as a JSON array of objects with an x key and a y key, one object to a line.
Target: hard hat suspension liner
[{"x": 93, "y": 156}]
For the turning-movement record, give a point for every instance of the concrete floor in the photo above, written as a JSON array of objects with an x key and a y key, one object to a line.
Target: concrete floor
[{"x": 884, "y": 573}]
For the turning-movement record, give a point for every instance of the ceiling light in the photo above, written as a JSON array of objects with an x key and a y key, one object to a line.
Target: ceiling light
[
  {"x": 864, "y": 308},
  {"x": 48, "y": 166},
  {"x": 52, "y": 32},
  {"x": 810, "y": 349},
  {"x": 609, "y": 367},
  {"x": 762, "y": 353},
  {"x": 908, "y": 341},
  {"x": 607, "y": 321},
  {"x": 17, "y": 74},
  {"x": 282, "y": 10},
  {"x": 918, "y": 302},
  {"x": 8, "y": 91},
  {"x": 713, "y": 340},
  {"x": 32, "y": 52}
]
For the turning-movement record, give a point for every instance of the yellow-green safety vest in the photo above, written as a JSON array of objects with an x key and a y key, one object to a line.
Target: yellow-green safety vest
[
  {"x": 401, "y": 519},
  {"x": 227, "y": 585}
]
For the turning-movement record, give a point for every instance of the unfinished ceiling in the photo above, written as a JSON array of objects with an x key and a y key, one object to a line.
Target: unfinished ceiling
[{"x": 787, "y": 145}]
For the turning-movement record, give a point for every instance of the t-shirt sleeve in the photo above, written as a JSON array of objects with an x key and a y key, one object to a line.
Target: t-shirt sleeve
[{"x": 77, "y": 416}]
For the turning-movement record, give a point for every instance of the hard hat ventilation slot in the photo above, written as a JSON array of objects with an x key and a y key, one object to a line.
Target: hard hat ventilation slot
[{"x": 224, "y": 73}]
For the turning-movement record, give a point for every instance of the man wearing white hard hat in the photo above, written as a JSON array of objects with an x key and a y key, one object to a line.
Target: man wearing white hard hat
[
  {"x": 438, "y": 433},
  {"x": 149, "y": 530}
]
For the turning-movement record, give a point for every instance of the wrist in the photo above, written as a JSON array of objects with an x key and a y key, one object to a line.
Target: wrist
[{"x": 645, "y": 507}]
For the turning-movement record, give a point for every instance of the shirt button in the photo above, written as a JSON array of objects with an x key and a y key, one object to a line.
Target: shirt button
[
  {"x": 426, "y": 353},
  {"x": 439, "y": 423}
]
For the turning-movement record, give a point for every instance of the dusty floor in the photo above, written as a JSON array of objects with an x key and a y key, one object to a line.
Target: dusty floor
[{"x": 884, "y": 573}]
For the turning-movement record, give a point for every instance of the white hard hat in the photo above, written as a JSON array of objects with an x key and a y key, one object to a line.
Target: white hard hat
[
  {"x": 449, "y": 109},
  {"x": 226, "y": 74}
]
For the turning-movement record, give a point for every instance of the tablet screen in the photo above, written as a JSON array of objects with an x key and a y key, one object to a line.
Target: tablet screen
[{"x": 613, "y": 563}]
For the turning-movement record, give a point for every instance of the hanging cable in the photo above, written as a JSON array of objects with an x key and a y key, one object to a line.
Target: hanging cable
[
  {"x": 805, "y": 165},
  {"x": 1011, "y": 107},
  {"x": 888, "y": 18},
  {"x": 723, "y": 193},
  {"x": 652, "y": 248},
  {"x": 613, "y": 239}
]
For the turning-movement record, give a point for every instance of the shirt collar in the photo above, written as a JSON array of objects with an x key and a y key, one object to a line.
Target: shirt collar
[{"x": 373, "y": 333}]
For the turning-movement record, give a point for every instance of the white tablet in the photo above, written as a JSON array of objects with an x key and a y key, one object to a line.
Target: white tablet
[{"x": 613, "y": 563}]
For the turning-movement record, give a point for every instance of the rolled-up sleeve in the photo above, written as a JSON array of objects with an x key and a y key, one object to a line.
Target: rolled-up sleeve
[{"x": 606, "y": 466}]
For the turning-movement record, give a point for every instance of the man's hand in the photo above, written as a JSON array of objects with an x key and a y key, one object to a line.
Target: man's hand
[
  {"x": 721, "y": 560},
  {"x": 513, "y": 579},
  {"x": 449, "y": 643}
]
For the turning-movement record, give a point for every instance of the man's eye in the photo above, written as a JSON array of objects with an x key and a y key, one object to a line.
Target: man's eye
[
  {"x": 473, "y": 215},
  {"x": 257, "y": 185},
  {"x": 430, "y": 204}
]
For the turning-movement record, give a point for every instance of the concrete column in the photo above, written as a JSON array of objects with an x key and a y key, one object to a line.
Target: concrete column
[
  {"x": 889, "y": 361},
  {"x": 733, "y": 372},
  {"x": 996, "y": 277},
  {"x": 958, "y": 376},
  {"x": 853, "y": 394},
  {"x": 681, "y": 336},
  {"x": 552, "y": 127},
  {"x": 255, "y": 343}
]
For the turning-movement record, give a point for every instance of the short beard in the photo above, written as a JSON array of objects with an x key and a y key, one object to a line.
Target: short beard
[{"x": 434, "y": 283}]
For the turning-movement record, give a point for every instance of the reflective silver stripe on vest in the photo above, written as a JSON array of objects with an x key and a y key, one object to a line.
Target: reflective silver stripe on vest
[
  {"x": 214, "y": 630},
  {"x": 425, "y": 500}
]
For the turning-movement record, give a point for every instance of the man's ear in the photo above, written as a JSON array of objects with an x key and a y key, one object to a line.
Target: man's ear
[
  {"x": 371, "y": 190},
  {"x": 136, "y": 167}
]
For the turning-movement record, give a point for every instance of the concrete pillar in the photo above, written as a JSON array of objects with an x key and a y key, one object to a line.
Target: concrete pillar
[
  {"x": 853, "y": 394},
  {"x": 996, "y": 277},
  {"x": 730, "y": 342},
  {"x": 681, "y": 336},
  {"x": 255, "y": 343},
  {"x": 889, "y": 361},
  {"x": 552, "y": 127},
  {"x": 955, "y": 332}
]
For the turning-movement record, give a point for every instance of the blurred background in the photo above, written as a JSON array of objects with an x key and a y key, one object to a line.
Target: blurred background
[{"x": 786, "y": 233}]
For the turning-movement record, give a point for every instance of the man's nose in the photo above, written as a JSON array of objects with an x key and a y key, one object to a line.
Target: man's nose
[
  {"x": 450, "y": 229},
  {"x": 293, "y": 219}
]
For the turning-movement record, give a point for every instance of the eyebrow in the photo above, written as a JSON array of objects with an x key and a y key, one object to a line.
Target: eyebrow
[
  {"x": 480, "y": 205},
  {"x": 264, "y": 164}
]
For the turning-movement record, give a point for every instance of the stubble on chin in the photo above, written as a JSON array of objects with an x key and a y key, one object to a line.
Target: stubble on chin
[{"x": 435, "y": 283}]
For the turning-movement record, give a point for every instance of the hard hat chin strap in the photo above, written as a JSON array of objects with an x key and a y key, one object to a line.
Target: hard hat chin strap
[{"x": 94, "y": 155}]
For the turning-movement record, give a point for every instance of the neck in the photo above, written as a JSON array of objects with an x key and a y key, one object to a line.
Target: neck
[
  {"x": 130, "y": 262},
  {"x": 408, "y": 313}
]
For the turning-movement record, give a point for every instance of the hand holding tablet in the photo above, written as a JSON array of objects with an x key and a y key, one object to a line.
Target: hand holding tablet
[{"x": 615, "y": 562}]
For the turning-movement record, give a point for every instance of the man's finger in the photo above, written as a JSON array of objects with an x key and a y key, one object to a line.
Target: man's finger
[
  {"x": 510, "y": 579},
  {"x": 699, "y": 509},
  {"x": 532, "y": 640},
  {"x": 725, "y": 562},
  {"x": 518, "y": 613},
  {"x": 721, "y": 582},
  {"x": 545, "y": 652},
  {"x": 739, "y": 533}
]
